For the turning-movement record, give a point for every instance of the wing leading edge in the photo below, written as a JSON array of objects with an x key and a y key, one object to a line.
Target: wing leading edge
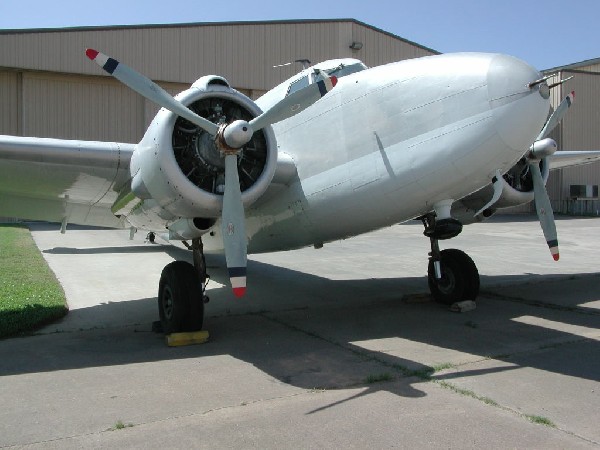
[
  {"x": 563, "y": 159},
  {"x": 54, "y": 179}
]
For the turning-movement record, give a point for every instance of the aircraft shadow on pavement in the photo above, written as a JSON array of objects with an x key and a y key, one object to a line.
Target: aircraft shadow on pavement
[
  {"x": 174, "y": 252},
  {"x": 312, "y": 332}
]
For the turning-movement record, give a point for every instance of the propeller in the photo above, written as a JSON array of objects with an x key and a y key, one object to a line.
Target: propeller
[
  {"x": 230, "y": 138},
  {"x": 542, "y": 148},
  {"x": 148, "y": 89}
]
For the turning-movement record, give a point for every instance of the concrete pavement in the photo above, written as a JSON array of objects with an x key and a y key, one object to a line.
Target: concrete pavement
[{"x": 331, "y": 348}]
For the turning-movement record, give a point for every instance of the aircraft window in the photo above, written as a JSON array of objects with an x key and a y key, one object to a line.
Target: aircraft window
[
  {"x": 342, "y": 70},
  {"x": 297, "y": 85}
]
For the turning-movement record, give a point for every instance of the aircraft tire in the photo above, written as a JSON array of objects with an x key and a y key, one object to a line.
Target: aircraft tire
[
  {"x": 460, "y": 278},
  {"x": 180, "y": 304}
]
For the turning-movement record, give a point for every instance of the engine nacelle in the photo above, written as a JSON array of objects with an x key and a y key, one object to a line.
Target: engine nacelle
[
  {"x": 178, "y": 171},
  {"x": 517, "y": 189}
]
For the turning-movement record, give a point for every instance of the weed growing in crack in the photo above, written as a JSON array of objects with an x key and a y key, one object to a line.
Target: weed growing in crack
[
  {"x": 540, "y": 420},
  {"x": 379, "y": 378}
]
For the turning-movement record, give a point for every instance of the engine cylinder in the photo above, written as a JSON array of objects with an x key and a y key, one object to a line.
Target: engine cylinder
[{"x": 181, "y": 169}]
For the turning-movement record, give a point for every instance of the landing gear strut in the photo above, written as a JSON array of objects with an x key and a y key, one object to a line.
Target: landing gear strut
[
  {"x": 451, "y": 274},
  {"x": 181, "y": 293}
]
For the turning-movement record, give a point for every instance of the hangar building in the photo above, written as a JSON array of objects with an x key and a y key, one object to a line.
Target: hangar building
[
  {"x": 575, "y": 190},
  {"x": 48, "y": 88}
]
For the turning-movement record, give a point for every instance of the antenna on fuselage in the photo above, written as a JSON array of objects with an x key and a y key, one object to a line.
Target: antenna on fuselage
[{"x": 305, "y": 64}]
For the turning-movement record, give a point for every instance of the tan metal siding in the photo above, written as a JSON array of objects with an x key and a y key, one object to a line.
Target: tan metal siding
[
  {"x": 152, "y": 51},
  {"x": 75, "y": 107},
  {"x": 288, "y": 42},
  {"x": 242, "y": 53},
  {"x": 580, "y": 125},
  {"x": 379, "y": 48},
  {"x": 9, "y": 103},
  {"x": 591, "y": 68},
  {"x": 580, "y": 130}
]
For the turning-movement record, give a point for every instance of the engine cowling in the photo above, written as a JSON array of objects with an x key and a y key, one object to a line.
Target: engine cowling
[
  {"x": 178, "y": 171},
  {"x": 517, "y": 189}
]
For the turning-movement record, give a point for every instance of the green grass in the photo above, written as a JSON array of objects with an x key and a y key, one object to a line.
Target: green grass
[
  {"x": 468, "y": 393},
  {"x": 427, "y": 372},
  {"x": 379, "y": 378},
  {"x": 30, "y": 295},
  {"x": 120, "y": 425},
  {"x": 540, "y": 420}
]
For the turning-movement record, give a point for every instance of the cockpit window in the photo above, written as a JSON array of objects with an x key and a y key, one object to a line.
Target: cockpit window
[
  {"x": 297, "y": 85},
  {"x": 345, "y": 69},
  {"x": 318, "y": 74}
]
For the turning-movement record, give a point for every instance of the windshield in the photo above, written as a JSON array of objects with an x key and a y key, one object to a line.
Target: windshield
[{"x": 345, "y": 69}]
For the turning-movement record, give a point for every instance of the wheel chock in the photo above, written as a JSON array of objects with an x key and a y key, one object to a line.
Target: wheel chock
[
  {"x": 464, "y": 306},
  {"x": 189, "y": 338}
]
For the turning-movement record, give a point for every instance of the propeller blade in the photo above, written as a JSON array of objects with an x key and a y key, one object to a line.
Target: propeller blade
[
  {"x": 149, "y": 89},
  {"x": 234, "y": 233},
  {"x": 294, "y": 103},
  {"x": 556, "y": 116},
  {"x": 544, "y": 209}
]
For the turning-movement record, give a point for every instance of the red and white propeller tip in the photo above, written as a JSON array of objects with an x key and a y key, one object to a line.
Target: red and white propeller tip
[
  {"x": 237, "y": 276},
  {"x": 553, "y": 245},
  {"x": 107, "y": 63}
]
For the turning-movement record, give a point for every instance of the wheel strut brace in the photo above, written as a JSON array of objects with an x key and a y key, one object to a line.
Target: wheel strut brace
[{"x": 435, "y": 254}]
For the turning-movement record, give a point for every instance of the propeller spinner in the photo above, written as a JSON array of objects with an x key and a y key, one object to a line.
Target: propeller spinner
[{"x": 230, "y": 138}]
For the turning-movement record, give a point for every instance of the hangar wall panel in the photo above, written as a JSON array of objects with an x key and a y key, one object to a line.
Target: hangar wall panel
[
  {"x": 76, "y": 107},
  {"x": 67, "y": 96},
  {"x": 244, "y": 53},
  {"x": 152, "y": 51},
  {"x": 9, "y": 102},
  {"x": 379, "y": 48},
  {"x": 591, "y": 68},
  {"x": 579, "y": 128}
]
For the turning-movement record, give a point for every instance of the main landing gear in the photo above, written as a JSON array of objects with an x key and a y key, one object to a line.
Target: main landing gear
[
  {"x": 451, "y": 274},
  {"x": 181, "y": 293}
]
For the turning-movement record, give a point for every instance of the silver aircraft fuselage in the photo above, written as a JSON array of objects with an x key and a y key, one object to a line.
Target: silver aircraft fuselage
[{"x": 389, "y": 142}]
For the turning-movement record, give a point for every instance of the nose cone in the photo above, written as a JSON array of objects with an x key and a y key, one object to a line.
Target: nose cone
[{"x": 519, "y": 111}]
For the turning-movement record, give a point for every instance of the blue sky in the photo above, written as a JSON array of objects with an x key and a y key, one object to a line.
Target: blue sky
[{"x": 546, "y": 33}]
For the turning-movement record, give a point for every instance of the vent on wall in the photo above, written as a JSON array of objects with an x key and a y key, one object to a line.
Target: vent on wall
[{"x": 583, "y": 191}]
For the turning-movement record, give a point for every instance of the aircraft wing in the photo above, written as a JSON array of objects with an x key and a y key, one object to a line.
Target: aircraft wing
[
  {"x": 54, "y": 180},
  {"x": 564, "y": 159}
]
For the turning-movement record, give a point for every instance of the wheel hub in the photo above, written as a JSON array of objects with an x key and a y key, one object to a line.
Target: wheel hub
[
  {"x": 447, "y": 283},
  {"x": 167, "y": 303}
]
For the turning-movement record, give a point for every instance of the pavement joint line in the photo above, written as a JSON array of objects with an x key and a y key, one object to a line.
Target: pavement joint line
[
  {"x": 166, "y": 419},
  {"x": 259, "y": 313},
  {"x": 491, "y": 402},
  {"x": 505, "y": 356},
  {"x": 539, "y": 303},
  {"x": 83, "y": 330},
  {"x": 426, "y": 376},
  {"x": 366, "y": 355}
]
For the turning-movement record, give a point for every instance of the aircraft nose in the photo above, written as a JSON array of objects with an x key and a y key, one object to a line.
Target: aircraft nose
[{"x": 519, "y": 111}]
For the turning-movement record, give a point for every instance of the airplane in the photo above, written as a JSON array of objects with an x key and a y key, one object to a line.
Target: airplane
[{"x": 335, "y": 151}]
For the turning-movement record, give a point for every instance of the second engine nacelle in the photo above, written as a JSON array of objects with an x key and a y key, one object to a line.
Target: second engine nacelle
[
  {"x": 180, "y": 171},
  {"x": 517, "y": 189}
]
